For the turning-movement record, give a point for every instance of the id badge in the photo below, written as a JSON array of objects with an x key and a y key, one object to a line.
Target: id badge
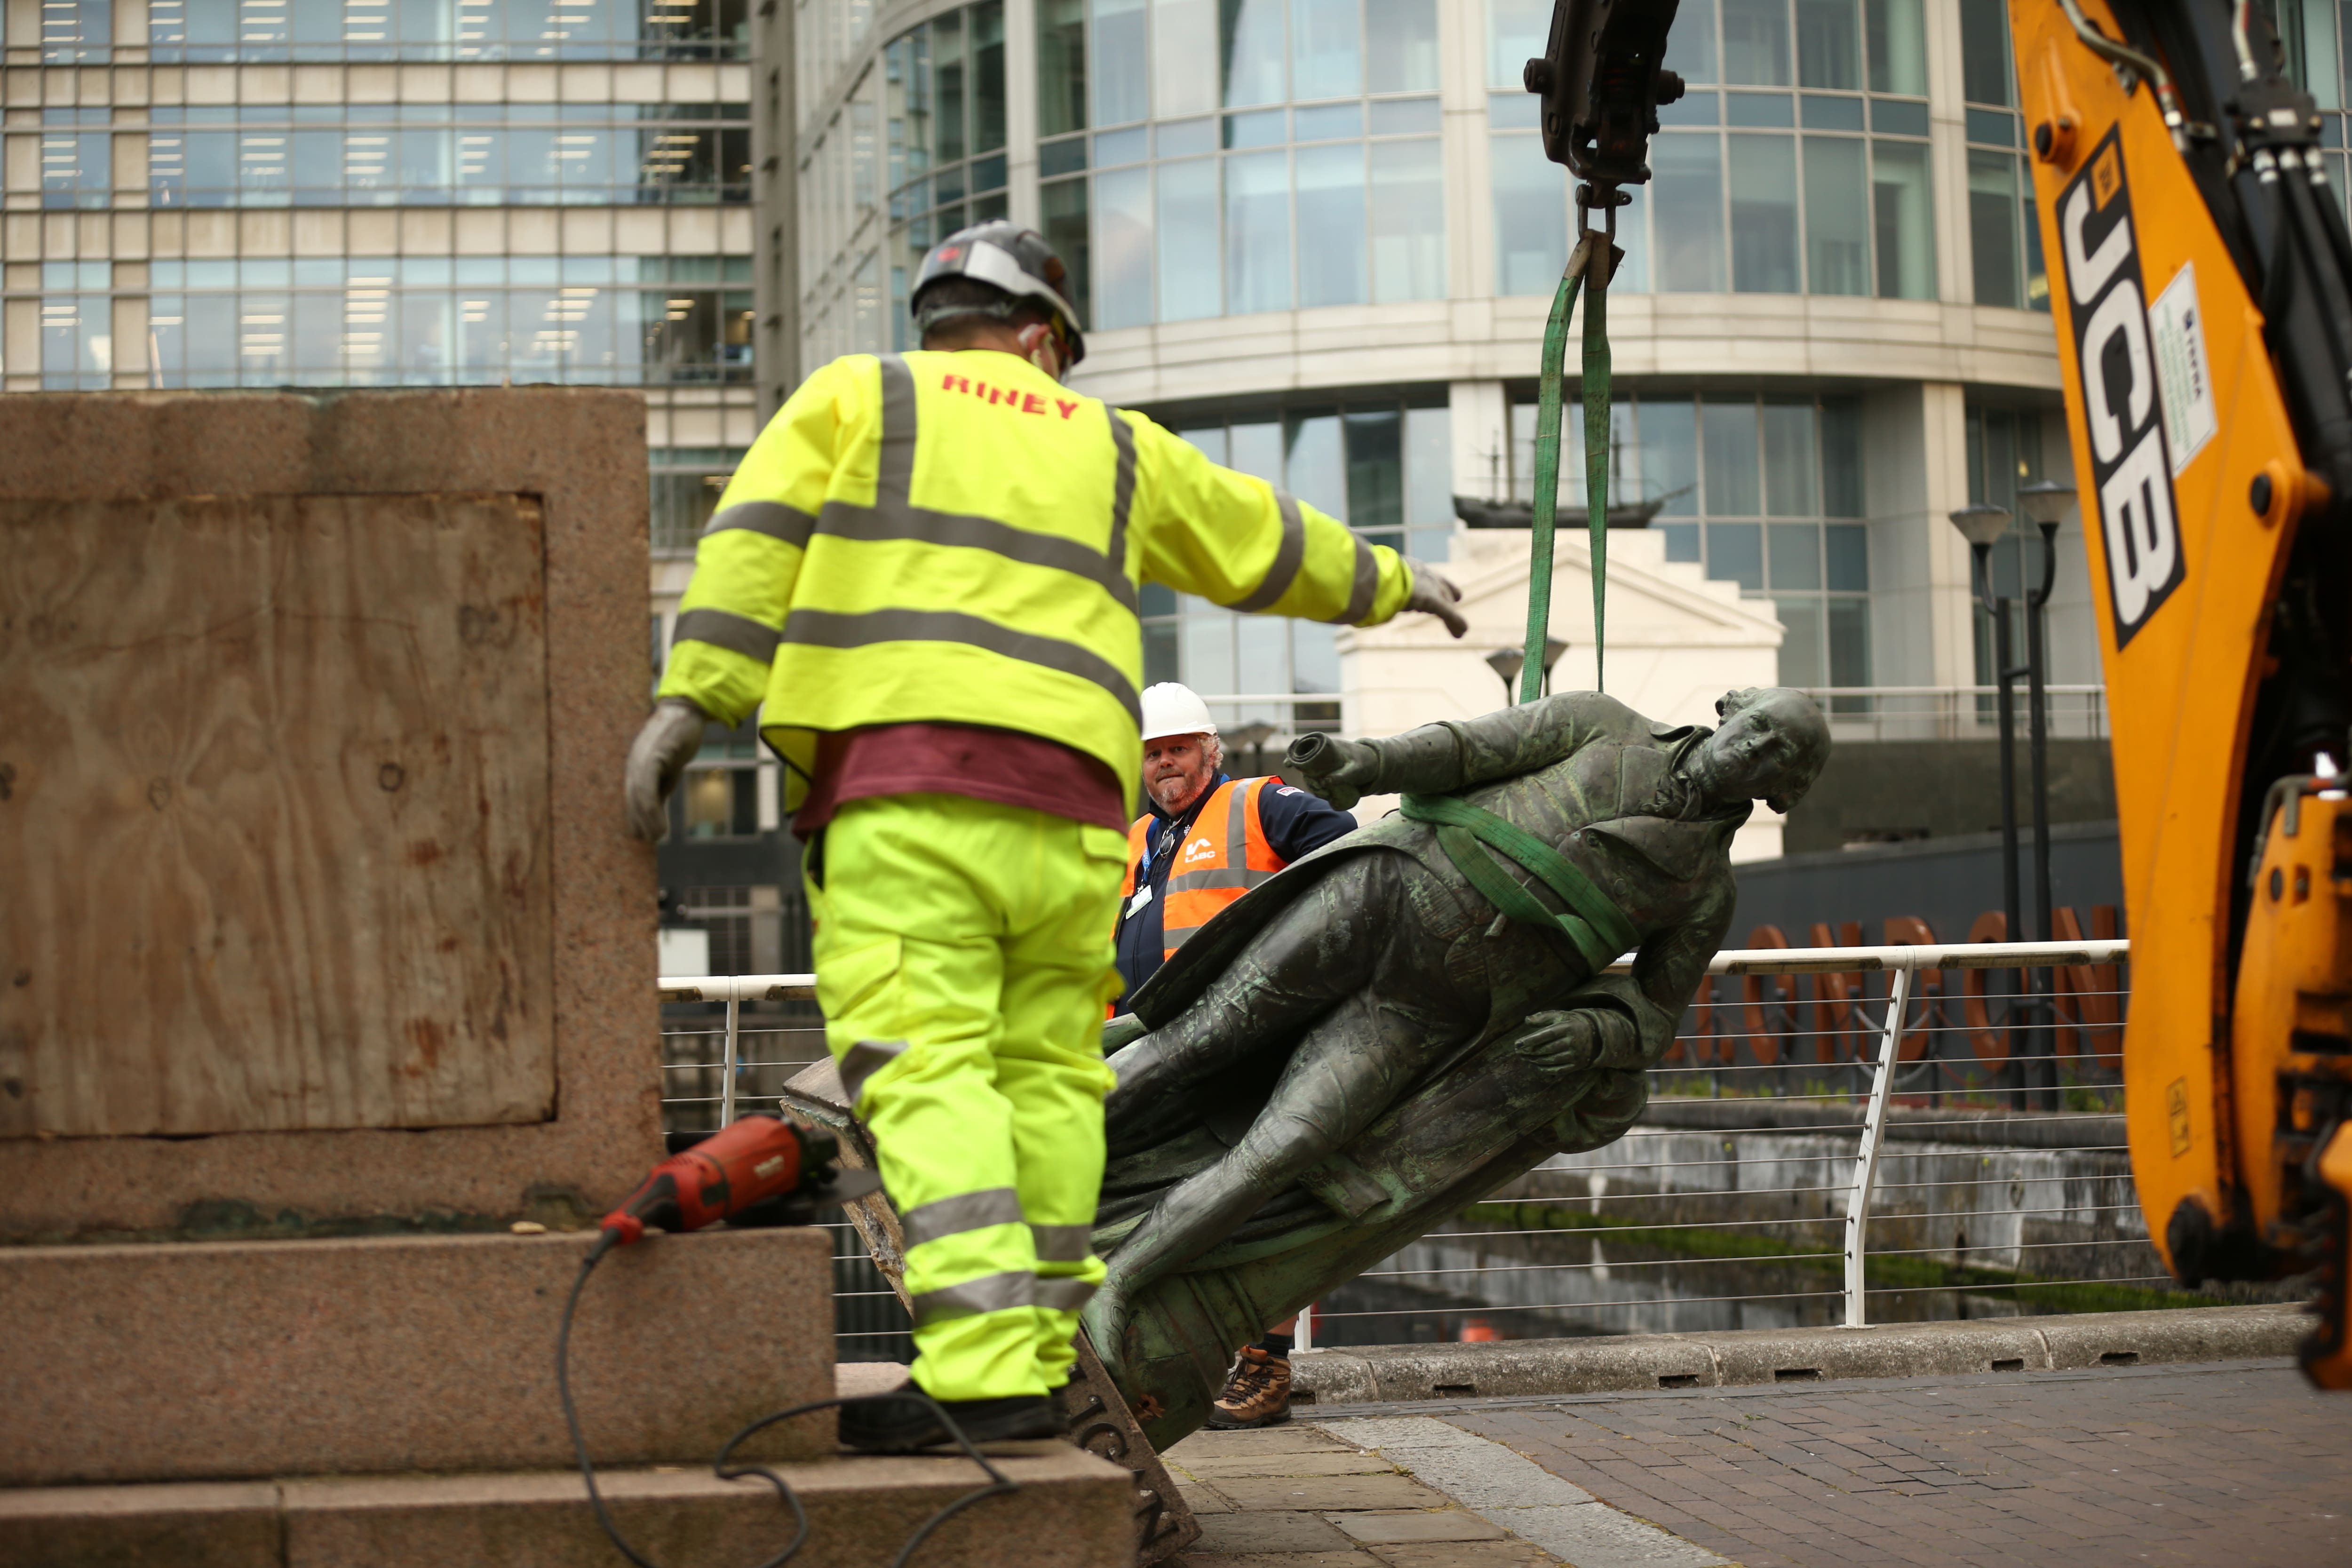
[{"x": 1142, "y": 897}]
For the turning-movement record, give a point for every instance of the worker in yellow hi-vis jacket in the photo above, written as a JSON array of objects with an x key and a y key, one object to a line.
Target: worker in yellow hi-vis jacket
[{"x": 924, "y": 575}]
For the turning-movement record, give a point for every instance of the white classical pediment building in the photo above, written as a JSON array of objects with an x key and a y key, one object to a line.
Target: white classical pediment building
[{"x": 1677, "y": 640}]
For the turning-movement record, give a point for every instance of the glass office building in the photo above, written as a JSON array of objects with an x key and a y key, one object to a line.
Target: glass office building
[
  {"x": 387, "y": 193},
  {"x": 1318, "y": 237}
]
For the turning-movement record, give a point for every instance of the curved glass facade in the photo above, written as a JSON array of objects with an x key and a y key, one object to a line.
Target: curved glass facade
[
  {"x": 1304, "y": 170},
  {"x": 1351, "y": 198},
  {"x": 1796, "y": 163},
  {"x": 944, "y": 88}
]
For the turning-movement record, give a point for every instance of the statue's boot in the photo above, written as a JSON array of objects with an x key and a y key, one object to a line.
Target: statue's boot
[{"x": 1104, "y": 1319}]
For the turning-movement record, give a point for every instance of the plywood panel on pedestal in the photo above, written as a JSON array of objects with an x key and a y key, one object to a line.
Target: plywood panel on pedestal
[{"x": 274, "y": 815}]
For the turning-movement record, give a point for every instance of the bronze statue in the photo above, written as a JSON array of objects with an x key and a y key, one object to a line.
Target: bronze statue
[{"x": 1409, "y": 1017}]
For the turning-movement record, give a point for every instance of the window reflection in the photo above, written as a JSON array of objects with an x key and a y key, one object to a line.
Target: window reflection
[
  {"x": 2004, "y": 235},
  {"x": 427, "y": 321},
  {"x": 77, "y": 162},
  {"x": 441, "y": 155},
  {"x": 943, "y": 85},
  {"x": 1742, "y": 202},
  {"x": 1339, "y": 201},
  {"x": 205, "y": 31},
  {"x": 1385, "y": 467},
  {"x": 686, "y": 486}
]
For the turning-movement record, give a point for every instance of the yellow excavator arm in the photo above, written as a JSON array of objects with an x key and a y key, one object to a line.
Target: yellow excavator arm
[{"x": 2201, "y": 279}]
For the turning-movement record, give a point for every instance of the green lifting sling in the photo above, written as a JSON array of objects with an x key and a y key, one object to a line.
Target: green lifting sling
[
  {"x": 1592, "y": 922},
  {"x": 1588, "y": 271}
]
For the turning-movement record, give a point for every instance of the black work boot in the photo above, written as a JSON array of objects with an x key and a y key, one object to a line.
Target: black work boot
[{"x": 904, "y": 1422}]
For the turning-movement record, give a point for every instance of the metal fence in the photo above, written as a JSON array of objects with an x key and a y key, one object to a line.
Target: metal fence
[
  {"x": 1958, "y": 1104},
  {"x": 1954, "y": 712},
  {"x": 729, "y": 1044}
]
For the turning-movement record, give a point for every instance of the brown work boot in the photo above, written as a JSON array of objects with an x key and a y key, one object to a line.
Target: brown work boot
[{"x": 1257, "y": 1394}]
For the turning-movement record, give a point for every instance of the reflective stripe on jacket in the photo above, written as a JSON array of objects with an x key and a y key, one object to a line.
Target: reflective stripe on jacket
[
  {"x": 957, "y": 538},
  {"x": 1224, "y": 855}
]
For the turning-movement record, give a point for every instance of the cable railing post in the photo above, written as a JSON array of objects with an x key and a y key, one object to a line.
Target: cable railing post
[
  {"x": 727, "y": 1067},
  {"x": 1865, "y": 1163}
]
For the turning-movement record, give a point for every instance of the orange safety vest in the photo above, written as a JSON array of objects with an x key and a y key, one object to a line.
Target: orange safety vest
[{"x": 1224, "y": 855}]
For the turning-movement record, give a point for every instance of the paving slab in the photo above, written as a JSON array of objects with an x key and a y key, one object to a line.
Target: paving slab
[
  {"x": 1415, "y": 1527},
  {"x": 1268, "y": 1532},
  {"x": 1506, "y": 1554},
  {"x": 1468, "y": 1502},
  {"x": 1327, "y": 1494},
  {"x": 1314, "y": 1462},
  {"x": 1510, "y": 1490},
  {"x": 2182, "y": 1465},
  {"x": 1197, "y": 1559},
  {"x": 1291, "y": 1437}
]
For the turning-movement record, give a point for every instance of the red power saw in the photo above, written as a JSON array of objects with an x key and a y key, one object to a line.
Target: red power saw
[{"x": 761, "y": 1171}]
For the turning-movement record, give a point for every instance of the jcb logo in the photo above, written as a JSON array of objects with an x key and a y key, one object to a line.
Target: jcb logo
[{"x": 2129, "y": 460}]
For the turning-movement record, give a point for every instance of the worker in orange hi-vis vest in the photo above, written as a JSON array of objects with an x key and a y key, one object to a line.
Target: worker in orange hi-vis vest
[{"x": 1208, "y": 840}]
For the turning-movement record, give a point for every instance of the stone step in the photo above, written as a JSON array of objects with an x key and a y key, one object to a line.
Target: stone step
[
  {"x": 220, "y": 1359},
  {"x": 1071, "y": 1511}
]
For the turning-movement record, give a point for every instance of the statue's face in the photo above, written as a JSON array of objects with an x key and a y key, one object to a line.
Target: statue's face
[
  {"x": 1769, "y": 749},
  {"x": 1176, "y": 769}
]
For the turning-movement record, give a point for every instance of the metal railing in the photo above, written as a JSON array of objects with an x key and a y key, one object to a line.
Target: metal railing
[
  {"x": 1895, "y": 1091},
  {"x": 1952, "y": 712},
  {"x": 1783, "y": 1129}
]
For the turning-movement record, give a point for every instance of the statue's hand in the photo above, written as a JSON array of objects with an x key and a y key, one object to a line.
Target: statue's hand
[
  {"x": 1560, "y": 1043},
  {"x": 1338, "y": 771}
]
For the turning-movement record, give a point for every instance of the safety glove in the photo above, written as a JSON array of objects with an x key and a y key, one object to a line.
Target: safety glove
[
  {"x": 1434, "y": 595},
  {"x": 1338, "y": 771},
  {"x": 659, "y": 754}
]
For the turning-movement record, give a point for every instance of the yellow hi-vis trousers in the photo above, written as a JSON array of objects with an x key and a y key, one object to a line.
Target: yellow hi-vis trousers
[{"x": 963, "y": 959}]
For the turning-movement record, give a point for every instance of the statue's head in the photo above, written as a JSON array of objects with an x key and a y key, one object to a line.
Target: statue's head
[{"x": 1771, "y": 747}]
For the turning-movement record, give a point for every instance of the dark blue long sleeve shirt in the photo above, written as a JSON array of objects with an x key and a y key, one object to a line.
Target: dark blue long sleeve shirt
[{"x": 1297, "y": 824}]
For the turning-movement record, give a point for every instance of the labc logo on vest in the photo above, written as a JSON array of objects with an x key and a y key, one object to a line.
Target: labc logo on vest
[
  {"x": 2129, "y": 461},
  {"x": 1197, "y": 853}
]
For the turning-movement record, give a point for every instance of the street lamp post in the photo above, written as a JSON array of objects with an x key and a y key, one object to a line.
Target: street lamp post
[
  {"x": 1982, "y": 525},
  {"x": 1507, "y": 662},
  {"x": 1254, "y": 736},
  {"x": 2045, "y": 502}
]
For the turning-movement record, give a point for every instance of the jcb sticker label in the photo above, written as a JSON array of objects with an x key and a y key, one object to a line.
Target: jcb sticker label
[
  {"x": 2131, "y": 466},
  {"x": 2182, "y": 373},
  {"x": 2175, "y": 1114}
]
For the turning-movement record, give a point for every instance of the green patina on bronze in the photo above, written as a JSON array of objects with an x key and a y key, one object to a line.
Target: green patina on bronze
[{"x": 1370, "y": 1042}]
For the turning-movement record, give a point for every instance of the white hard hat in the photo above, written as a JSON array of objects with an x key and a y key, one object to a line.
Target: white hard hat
[{"x": 1173, "y": 710}]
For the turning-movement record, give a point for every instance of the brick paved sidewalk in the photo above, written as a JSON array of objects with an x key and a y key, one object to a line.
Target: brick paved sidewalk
[
  {"x": 2241, "y": 1465},
  {"x": 1292, "y": 1497}
]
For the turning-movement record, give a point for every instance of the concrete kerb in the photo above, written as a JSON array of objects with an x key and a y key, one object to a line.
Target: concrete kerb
[{"x": 1388, "y": 1374}]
